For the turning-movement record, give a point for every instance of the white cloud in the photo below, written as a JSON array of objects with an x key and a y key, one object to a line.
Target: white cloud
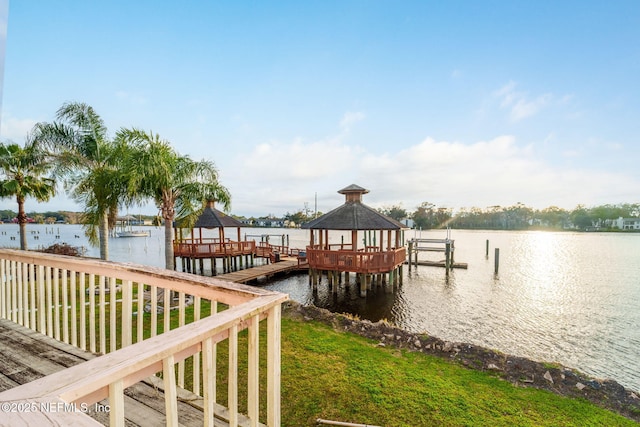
[
  {"x": 351, "y": 117},
  {"x": 281, "y": 177},
  {"x": 15, "y": 129},
  {"x": 520, "y": 104}
]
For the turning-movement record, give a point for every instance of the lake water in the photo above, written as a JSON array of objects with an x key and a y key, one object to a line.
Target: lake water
[{"x": 571, "y": 298}]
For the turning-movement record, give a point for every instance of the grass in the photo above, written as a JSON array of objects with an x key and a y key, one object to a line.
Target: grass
[{"x": 339, "y": 376}]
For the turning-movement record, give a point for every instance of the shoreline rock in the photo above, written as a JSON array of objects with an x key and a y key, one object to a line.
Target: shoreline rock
[{"x": 519, "y": 371}]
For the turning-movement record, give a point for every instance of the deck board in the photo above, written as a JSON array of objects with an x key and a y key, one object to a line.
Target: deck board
[{"x": 26, "y": 355}]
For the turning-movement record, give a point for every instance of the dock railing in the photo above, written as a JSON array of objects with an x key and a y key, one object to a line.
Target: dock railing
[
  {"x": 145, "y": 321},
  {"x": 364, "y": 261},
  {"x": 205, "y": 248}
]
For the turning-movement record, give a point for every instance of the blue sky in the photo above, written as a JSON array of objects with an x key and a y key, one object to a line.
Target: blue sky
[{"x": 461, "y": 103}]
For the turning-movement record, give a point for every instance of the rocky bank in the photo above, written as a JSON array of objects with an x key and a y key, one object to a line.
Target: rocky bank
[{"x": 519, "y": 371}]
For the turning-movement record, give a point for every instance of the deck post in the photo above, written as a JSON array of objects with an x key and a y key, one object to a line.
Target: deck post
[
  {"x": 253, "y": 387},
  {"x": 232, "y": 386},
  {"x": 209, "y": 380},
  {"x": 273, "y": 366},
  {"x": 3, "y": 289},
  {"x": 116, "y": 403}
]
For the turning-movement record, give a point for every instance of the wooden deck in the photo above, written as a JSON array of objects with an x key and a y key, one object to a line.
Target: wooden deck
[
  {"x": 26, "y": 355},
  {"x": 287, "y": 264}
]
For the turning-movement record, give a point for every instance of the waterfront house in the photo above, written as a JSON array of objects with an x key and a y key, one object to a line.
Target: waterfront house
[{"x": 627, "y": 223}]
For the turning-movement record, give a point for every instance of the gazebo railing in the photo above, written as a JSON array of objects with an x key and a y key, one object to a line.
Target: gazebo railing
[
  {"x": 203, "y": 248},
  {"x": 145, "y": 321},
  {"x": 366, "y": 262}
]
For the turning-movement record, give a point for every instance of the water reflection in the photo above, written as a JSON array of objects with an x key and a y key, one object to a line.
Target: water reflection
[{"x": 560, "y": 297}]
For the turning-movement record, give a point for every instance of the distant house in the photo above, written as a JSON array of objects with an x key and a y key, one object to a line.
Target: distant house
[
  {"x": 270, "y": 222},
  {"x": 627, "y": 223}
]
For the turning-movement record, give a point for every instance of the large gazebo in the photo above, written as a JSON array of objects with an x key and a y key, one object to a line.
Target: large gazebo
[
  {"x": 371, "y": 244},
  {"x": 198, "y": 247}
]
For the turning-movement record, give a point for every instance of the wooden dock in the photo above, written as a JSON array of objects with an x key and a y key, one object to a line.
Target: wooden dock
[
  {"x": 286, "y": 265},
  {"x": 434, "y": 245}
]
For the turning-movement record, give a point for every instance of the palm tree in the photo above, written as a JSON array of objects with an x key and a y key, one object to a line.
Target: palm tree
[
  {"x": 90, "y": 164},
  {"x": 23, "y": 170},
  {"x": 177, "y": 184}
]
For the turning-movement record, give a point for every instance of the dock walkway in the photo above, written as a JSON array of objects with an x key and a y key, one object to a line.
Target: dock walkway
[{"x": 287, "y": 264}]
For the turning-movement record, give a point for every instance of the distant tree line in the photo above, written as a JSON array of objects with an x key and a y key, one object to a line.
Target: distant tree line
[
  {"x": 428, "y": 216},
  {"x": 516, "y": 217}
]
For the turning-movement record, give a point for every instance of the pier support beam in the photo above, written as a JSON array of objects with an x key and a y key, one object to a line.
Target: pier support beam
[{"x": 363, "y": 285}]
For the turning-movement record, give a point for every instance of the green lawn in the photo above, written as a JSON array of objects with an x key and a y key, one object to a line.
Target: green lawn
[{"x": 344, "y": 377}]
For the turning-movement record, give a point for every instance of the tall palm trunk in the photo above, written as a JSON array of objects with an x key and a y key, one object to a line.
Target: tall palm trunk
[
  {"x": 104, "y": 236},
  {"x": 22, "y": 223},
  {"x": 169, "y": 260}
]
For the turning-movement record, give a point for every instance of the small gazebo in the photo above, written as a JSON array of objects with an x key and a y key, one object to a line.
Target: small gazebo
[
  {"x": 374, "y": 246},
  {"x": 198, "y": 247}
]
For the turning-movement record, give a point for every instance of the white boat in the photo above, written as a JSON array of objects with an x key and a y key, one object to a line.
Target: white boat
[
  {"x": 133, "y": 233},
  {"x": 127, "y": 229}
]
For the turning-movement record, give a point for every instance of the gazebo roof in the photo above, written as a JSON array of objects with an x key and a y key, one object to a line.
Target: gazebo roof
[
  {"x": 354, "y": 215},
  {"x": 213, "y": 218}
]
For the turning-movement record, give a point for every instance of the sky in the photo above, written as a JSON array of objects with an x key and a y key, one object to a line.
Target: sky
[{"x": 460, "y": 103}]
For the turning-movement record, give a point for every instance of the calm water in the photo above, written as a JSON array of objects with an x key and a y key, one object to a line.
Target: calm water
[{"x": 572, "y": 298}]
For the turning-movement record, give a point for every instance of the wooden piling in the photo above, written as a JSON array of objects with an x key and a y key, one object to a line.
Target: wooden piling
[
  {"x": 497, "y": 260},
  {"x": 447, "y": 257}
]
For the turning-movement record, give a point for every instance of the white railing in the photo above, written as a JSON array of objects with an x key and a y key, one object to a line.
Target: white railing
[{"x": 85, "y": 302}]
